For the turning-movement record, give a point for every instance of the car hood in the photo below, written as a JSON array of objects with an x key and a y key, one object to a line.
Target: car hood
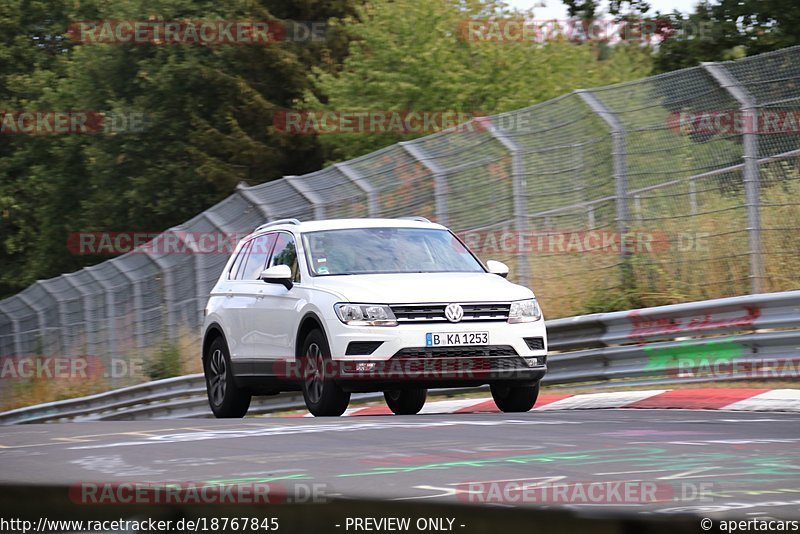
[{"x": 422, "y": 287}]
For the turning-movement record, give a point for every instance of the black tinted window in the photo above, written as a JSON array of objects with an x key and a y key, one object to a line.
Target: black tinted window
[{"x": 285, "y": 253}]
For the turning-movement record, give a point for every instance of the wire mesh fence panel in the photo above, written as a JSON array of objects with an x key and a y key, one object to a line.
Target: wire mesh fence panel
[
  {"x": 568, "y": 199},
  {"x": 72, "y": 320},
  {"x": 178, "y": 265},
  {"x": 143, "y": 308},
  {"x": 122, "y": 308},
  {"x": 7, "y": 338},
  {"x": 48, "y": 340},
  {"x": 771, "y": 81},
  {"x": 677, "y": 187},
  {"x": 29, "y": 324},
  {"x": 237, "y": 217},
  {"x": 402, "y": 184},
  {"x": 94, "y": 310},
  {"x": 341, "y": 198},
  {"x": 676, "y": 196},
  {"x": 282, "y": 200}
]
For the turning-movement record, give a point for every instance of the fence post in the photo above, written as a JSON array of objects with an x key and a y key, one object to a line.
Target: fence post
[
  {"x": 751, "y": 177},
  {"x": 60, "y": 346},
  {"x": 15, "y": 324},
  {"x": 309, "y": 194},
  {"x": 108, "y": 296},
  {"x": 363, "y": 184},
  {"x": 243, "y": 191},
  {"x": 439, "y": 182},
  {"x": 39, "y": 317},
  {"x": 86, "y": 315},
  {"x": 520, "y": 198},
  {"x": 138, "y": 308},
  {"x": 620, "y": 174}
]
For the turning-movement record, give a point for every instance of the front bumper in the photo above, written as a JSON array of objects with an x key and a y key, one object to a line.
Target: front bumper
[
  {"x": 403, "y": 360},
  {"x": 406, "y": 336},
  {"x": 436, "y": 373}
]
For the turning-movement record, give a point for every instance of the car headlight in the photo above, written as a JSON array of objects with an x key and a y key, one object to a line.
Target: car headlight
[
  {"x": 524, "y": 311},
  {"x": 365, "y": 314}
]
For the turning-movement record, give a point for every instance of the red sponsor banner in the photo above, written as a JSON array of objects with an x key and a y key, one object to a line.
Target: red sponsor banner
[
  {"x": 192, "y": 493},
  {"x": 735, "y": 122},
  {"x": 321, "y": 122},
  {"x": 178, "y": 32},
  {"x": 651, "y": 326}
]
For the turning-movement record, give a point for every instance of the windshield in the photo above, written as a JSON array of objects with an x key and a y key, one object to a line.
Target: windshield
[{"x": 387, "y": 250}]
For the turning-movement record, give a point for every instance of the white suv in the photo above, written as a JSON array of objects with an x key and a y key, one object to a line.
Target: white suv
[{"x": 353, "y": 305}]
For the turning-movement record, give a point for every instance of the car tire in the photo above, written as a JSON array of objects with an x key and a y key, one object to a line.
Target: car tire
[
  {"x": 226, "y": 399},
  {"x": 323, "y": 396},
  {"x": 406, "y": 401},
  {"x": 510, "y": 398}
]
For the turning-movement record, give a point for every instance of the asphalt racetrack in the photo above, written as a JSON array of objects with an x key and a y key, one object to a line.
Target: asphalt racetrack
[{"x": 710, "y": 463}]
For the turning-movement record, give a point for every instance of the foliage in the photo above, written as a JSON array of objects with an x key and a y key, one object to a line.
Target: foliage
[
  {"x": 166, "y": 362},
  {"x": 207, "y": 122},
  {"x": 409, "y": 55},
  {"x": 717, "y": 30}
]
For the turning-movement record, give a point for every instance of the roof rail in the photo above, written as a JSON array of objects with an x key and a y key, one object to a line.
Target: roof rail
[
  {"x": 277, "y": 222},
  {"x": 415, "y": 218}
]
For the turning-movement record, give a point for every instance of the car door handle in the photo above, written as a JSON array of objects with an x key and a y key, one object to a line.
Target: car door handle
[
  {"x": 260, "y": 294},
  {"x": 229, "y": 294}
]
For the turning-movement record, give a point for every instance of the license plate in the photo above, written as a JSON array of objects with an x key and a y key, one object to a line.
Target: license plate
[{"x": 452, "y": 339}]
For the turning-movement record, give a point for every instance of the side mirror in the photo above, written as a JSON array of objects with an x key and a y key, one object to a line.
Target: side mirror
[
  {"x": 278, "y": 274},
  {"x": 497, "y": 267}
]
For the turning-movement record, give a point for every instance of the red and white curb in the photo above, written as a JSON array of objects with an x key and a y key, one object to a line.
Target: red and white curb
[{"x": 750, "y": 400}]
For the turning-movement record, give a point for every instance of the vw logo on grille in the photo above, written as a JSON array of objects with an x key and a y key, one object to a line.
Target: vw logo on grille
[{"x": 454, "y": 313}]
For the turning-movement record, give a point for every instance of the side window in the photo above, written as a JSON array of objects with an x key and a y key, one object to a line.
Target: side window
[
  {"x": 259, "y": 252},
  {"x": 237, "y": 263},
  {"x": 285, "y": 253}
]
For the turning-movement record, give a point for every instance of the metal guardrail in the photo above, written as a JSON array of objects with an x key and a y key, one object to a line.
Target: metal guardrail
[{"x": 754, "y": 336}]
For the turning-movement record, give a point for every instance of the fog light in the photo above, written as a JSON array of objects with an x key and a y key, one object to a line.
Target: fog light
[
  {"x": 365, "y": 366},
  {"x": 532, "y": 362}
]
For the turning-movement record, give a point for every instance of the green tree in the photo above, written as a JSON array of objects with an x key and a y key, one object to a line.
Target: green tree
[
  {"x": 729, "y": 29},
  {"x": 409, "y": 55},
  {"x": 208, "y": 114}
]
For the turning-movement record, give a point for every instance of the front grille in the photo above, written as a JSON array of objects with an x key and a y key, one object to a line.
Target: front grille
[
  {"x": 476, "y": 351},
  {"x": 434, "y": 313},
  {"x": 534, "y": 343}
]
